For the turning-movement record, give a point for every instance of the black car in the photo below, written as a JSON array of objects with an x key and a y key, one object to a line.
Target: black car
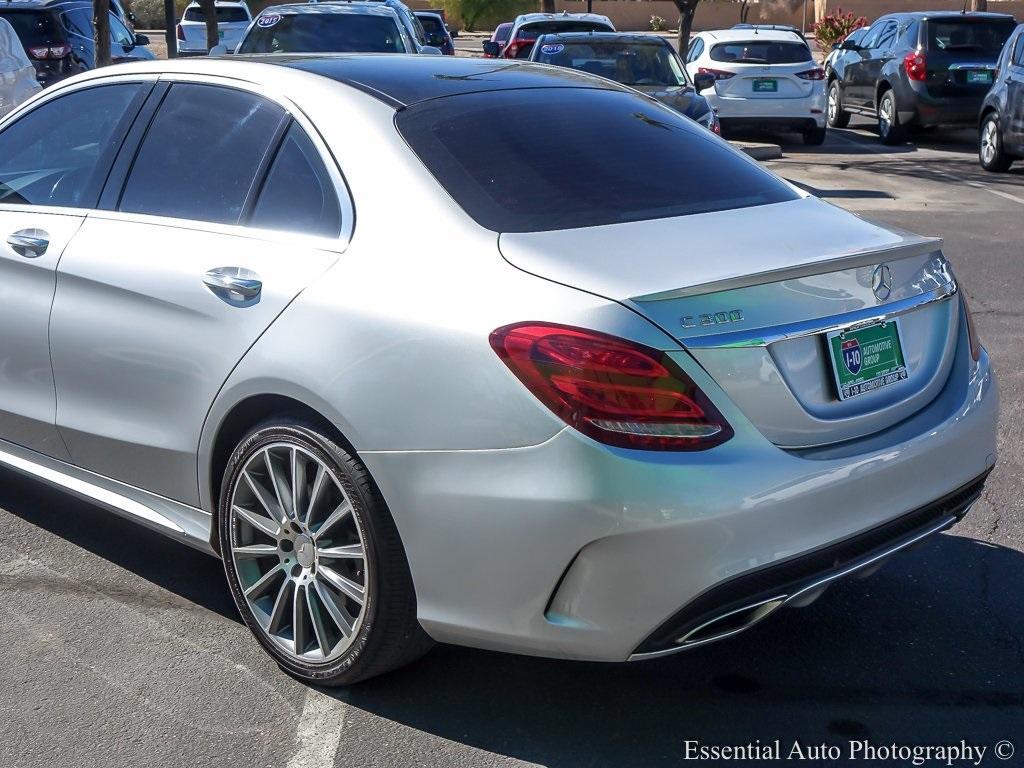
[
  {"x": 58, "y": 36},
  {"x": 437, "y": 31},
  {"x": 915, "y": 70},
  {"x": 1001, "y": 123}
]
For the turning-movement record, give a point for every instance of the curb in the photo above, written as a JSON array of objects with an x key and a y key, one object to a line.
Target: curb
[{"x": 759, "y": 151}]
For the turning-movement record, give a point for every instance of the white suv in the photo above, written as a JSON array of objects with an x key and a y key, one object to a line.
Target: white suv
[
  {"x": 232, "y": 21},
  {"x": 763, "y": 78}
]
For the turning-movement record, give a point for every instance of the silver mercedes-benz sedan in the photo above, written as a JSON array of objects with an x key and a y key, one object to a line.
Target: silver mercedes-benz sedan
[{"x": 479, "y": 352}]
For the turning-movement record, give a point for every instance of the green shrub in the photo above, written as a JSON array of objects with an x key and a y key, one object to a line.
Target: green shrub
[
  {"x": 833, "y": 28},
  {"x": 149, "y": 14},
  {"x": 658, "y": 24},
  {"x": 485, "y": 14}
]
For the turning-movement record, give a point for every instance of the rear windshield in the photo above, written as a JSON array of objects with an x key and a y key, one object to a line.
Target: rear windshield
[
  {"x": 533, "y": 31},
  {"x": 560, "y": 158},
  {"x": 325, "y": 33},
  {"x": 968, "y": 35},
  {"x": 431, "y": 23},
  {"x": 33, "y": 27},
  {"x": 224, "y": 15},
  {"x": 626, "y": 63},
  {"x": 761, "y": 52}
]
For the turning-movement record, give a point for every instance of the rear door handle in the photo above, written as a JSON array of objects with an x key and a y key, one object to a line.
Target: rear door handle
[
  {"x": 233, "y": 283},
  {"x": 30, "y": 243}
]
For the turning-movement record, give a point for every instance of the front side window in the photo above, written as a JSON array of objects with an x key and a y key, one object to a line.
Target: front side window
[
  {"x": 326, "y": 33},
  {"x": 626, "y": 63},
  {"x": 119, "y": 33},
  {"x": 888, "y": 36},
  {"x": 1018, "y": 50},
  {"x": 761, "y": 52},
  {"x": 696, "y": 49},
  {"x": 871, "y": 40},
  {"x": 201, "y": 154},
  {"x": 298, "y": 194},
  {"x": 483, "y": 149},
  {"x": 58, "y": 154}
]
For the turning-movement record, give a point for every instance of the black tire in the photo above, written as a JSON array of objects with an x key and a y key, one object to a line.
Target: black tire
[
  {"x": 992, "y": 157},
  {"x": 891, "y": 132},
  {"x": 815, "y": 137},
  {"x": 390, "y": 635},
  {"x": 837, "y": 116}
]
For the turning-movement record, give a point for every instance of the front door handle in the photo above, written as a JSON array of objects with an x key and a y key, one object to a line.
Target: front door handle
[
  {"x": 236, "y": 283},
  {"x": 30, "y": 243}
]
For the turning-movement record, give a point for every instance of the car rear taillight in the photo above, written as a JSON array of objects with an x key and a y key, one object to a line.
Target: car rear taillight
[
  {"x": 44, "y": 52},
  {"x": 179, "y": 32},
  {"x": 972, "y": 331},
  {"x": 812, "y": 74},
  {"x": 615, "y": 391},
  {"x": 914, "y": 64},
  {"x": 718, "y": 74}
]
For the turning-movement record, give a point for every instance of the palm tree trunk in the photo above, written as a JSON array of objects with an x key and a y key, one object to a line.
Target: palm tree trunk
[
  {"x": 687, "y": 9},
  {"x": 209, "y": 9},
  {"x": 101, "y": 29}
]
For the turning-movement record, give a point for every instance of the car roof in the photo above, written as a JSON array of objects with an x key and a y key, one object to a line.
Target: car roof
[
  {"x": 752, "y": 34},
  {"x": 605, "y": 37},
  {"x": 220, "y": 4},
  {"x": 530, "y": 18},
  {"x": 355, "y": 9},
  {"x": 924, "y": 15}
]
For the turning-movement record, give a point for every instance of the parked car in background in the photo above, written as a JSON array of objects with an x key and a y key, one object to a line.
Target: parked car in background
[
  {"x": 327, "y": 28},
  {"x": 412, "y": 25},
  {"x": 529, "y": 26},
  {"x": 763, "y": 79},
  {"x": 918, "y": 70},
  {"x": 437, "y": 31},
  {"x": 645, "y": 395},
  {"x": 498, "y": 40},
  {"x": 17, "y": 75},
  {"x": 125, "y": 45},
  {"x": 125, "y": 16},
  {"x": 1001, "y": 124},
  {"x": 645, "y": 62},
  {"x": 846, "y": 48},
  {"x": 233, "y": 19}
]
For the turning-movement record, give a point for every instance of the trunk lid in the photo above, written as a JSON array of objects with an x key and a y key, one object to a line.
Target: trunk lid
[{"x": 755, "y": 307}]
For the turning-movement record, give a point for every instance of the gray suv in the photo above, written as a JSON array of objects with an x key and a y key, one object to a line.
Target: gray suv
[
  {"x": 914, "y": 70},
  {"x": 1001, "y": 127}
]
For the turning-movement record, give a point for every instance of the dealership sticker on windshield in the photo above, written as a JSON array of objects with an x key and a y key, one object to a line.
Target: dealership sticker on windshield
[
  {"x": 269, "y": 20},
  {"x": 552, "y": 48},
  {"x": 866, "y": 359}
]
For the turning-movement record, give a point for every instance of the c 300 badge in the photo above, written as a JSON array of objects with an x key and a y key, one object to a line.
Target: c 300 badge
[{"x": 712, "y": 318}]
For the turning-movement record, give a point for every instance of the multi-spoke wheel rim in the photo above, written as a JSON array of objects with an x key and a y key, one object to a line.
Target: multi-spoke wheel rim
[
  {"x": 833, "y": 103},
  {"x": 989, "y": 140},
  {"x": 885, "y": 116},
  {"x": 299, "y": 553}
]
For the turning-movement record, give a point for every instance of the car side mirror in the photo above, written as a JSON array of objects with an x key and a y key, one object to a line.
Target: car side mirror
[
  {"x": 219, "y": 50},
  {"x": 453, "y": 33},
  {"x": 141, "y": 40},
  {"x": 703, "y": 80},
  {"x": 431, "y": 50},
  {"x": 132, "y": 18},
  {"x": 492, "y": 49}
]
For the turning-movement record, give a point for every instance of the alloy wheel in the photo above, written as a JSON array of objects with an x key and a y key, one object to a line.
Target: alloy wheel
[
  {"x": 299, "y": 553},
  {"x": 833, "y": 104},
  {"x": 885, "y": 110},
  {"x": 989, "y": 142}
]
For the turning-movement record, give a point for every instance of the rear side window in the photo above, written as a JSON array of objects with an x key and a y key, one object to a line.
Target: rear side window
[
  {"x": 33, "y": 27},
  {"x": 201, "y": 154},
  {"x": 1018, "y": 50},
  {"x": 59, "y": 153},
  {"x": 968, "y": 35},
  {"x": 298, "y": 194},
  {"x": 431, "y": 24},
  {"x": 888, "y": 36},
  {"x": 224, "y": 15},
  {"x": 483, "y": 149},
  {"x": 326, "y": 33},
  {"x": 761, "y": 52},
  {"x": 501, "y": 32}
]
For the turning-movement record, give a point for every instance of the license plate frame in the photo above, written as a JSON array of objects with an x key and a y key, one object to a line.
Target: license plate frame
[
  {"x": 765, "y": 85},
  {"x": 866, "y": 359}
]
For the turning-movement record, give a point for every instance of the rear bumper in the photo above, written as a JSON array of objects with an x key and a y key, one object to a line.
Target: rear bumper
[
  {"x": 805, "y": 111},
  {"x": 798, "y": 125},
  {"x": 920, "y": 108}
]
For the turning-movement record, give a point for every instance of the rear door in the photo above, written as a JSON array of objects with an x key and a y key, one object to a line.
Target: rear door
[
  {"x": 52, "y": 164},
  {"x": 227, "y": 213},
  {"x": 1014, "y": 79}
]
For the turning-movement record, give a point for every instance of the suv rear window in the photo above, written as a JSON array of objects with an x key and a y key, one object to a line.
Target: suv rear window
[
  {"x": 326, "y": 33},
  {"x": 968, "y": 34},
  {"x": 761, "y": 52},
  {"x": 224, "y": 15},
  {"x": 580, "y": 170},
  {"x": 33, "y": 27}
]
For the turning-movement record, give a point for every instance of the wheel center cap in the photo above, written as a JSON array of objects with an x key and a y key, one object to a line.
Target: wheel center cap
[{"x": 305, "y": 552}]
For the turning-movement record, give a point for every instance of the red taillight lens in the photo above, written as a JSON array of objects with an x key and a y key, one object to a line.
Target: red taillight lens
[
  {"x": 612, "y": 390},
  {"x": 179, "y": 32},
  {"x": 812, "y": 74},
  {"x": 914, "y": 63},
  {"x": 972, "y": 331},
  {"x": 719, "y": 74},
  {"x": 44, "y": 52},
  {"x": 39, "y": 52}
]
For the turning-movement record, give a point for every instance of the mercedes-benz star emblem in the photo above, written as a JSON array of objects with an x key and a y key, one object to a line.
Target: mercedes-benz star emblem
[{"x": 881, "y": 282}]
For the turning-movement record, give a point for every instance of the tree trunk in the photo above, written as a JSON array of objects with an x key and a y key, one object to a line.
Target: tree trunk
[
  {"x": 979, "y": 5},
  {"x": 547, "y": 6},
  {"x": 170, "y": 33},
  {"x": 209, "y": 9},
  {"x": 101, "y": 28},
  {"x": 687, "y": 9}
]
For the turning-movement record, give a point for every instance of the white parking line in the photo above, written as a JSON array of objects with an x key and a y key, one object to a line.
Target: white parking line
[
  {"x": 319, "y": 731},
  {"x": 999, "y": 192}
]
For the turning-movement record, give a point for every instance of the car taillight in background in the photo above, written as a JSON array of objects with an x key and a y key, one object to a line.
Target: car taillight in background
[
  {"x": 615, "y": 391},
  {"x": 515, "y": 46},
  {"x": 914, "y": 64},
  {"x": 812, "y": 74},
  {"x": 718, "y": 74},
  {"x": 179, "y": 32},
  {"x": 45, "y": 52}
]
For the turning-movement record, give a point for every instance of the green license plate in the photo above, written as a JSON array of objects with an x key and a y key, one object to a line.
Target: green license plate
[
  {"x": 766, "y": 85},
  {"x": 866, "y": 359},
  {"x": 983, "y": 77}
]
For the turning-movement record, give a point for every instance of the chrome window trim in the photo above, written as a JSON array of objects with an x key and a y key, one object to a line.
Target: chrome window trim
[{"x": 848, "y": 321}]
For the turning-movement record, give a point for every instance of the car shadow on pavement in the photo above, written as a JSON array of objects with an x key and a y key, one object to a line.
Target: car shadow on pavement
[{"x": 928, "y": 650}]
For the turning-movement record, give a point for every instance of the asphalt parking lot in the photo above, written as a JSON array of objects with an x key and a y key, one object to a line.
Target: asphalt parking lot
[{"x": 120, "y": 647}]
